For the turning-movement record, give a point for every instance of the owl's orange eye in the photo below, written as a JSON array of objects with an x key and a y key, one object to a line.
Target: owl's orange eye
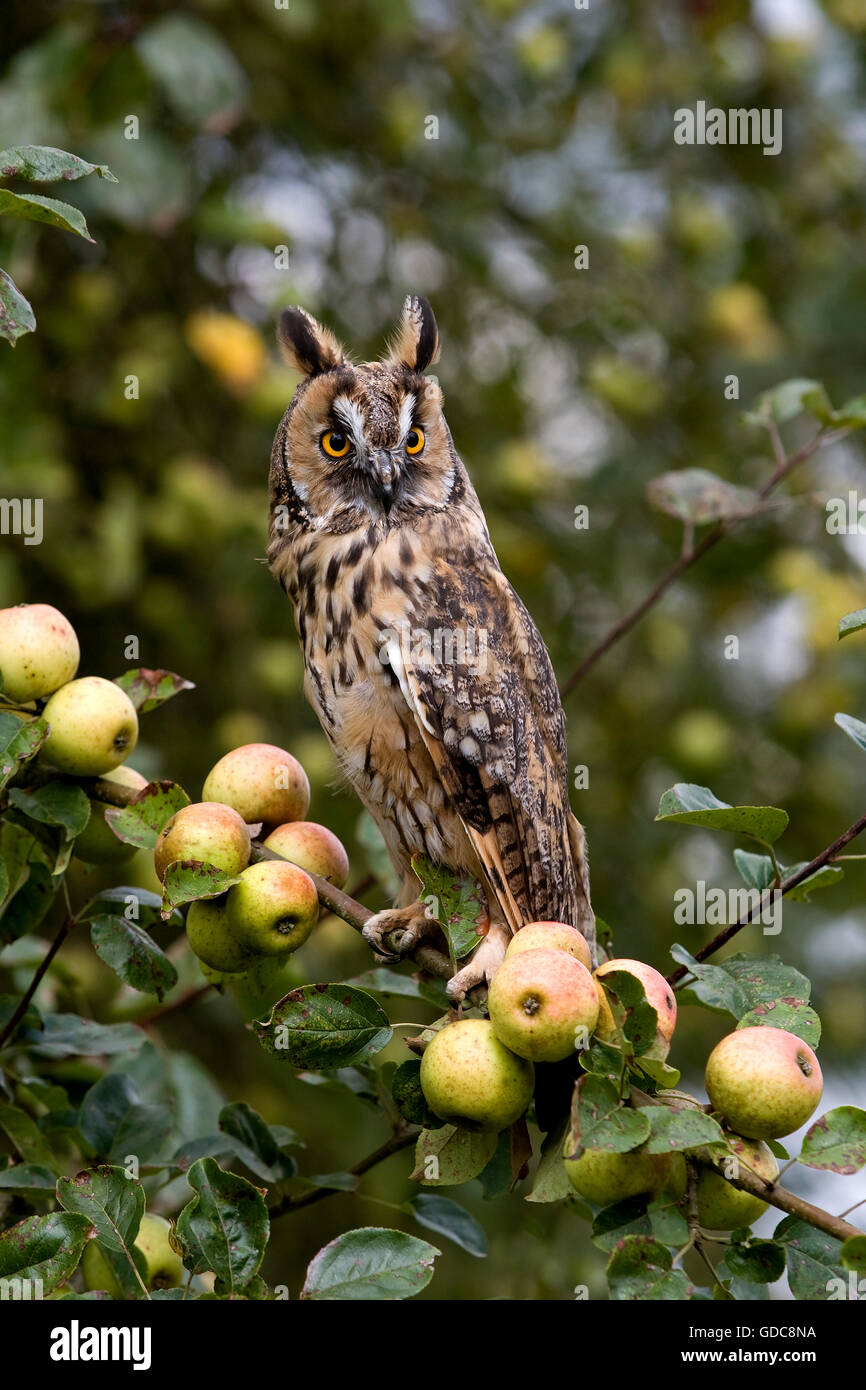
[
  {"x": 414, "y": 441},
  {"x": 335, "y": 444}
]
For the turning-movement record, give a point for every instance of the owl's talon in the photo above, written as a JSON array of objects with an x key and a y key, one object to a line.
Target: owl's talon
[
  {"x": 395, "y": 932},
  {"x": 488, "y": 957}
]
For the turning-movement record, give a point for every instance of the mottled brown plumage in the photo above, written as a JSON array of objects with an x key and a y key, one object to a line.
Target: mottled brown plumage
[{"x": 427, "y": 673}]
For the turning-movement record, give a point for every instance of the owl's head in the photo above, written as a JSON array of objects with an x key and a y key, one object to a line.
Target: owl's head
[{"x": 362, "y": 443}]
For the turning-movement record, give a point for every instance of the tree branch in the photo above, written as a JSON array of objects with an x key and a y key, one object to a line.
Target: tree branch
[
  {"x": 63, "y": 931},
  {"x": 792, "y": 881},
  {"x": 794, "y": 1206},
  {"x": 400, "y": 1139},
  {"x": 784, "y": 466}
]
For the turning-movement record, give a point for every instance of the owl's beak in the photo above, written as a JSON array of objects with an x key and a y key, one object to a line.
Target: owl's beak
[{"x": 384, "y": 472}]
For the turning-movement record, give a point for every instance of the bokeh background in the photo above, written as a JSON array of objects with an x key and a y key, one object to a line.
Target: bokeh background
[{"x": 283, "y": 156}]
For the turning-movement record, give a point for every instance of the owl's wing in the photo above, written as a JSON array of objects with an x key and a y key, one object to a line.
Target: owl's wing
[{"x": 488, "y": 709}]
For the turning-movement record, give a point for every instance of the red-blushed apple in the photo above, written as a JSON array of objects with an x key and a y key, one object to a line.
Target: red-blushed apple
[
  {"x": 551, "y": 936},
  {"x": 97, "y": 843},
  {"x": 656, "y": 988},
  {"x": 207, "y": 831},
  {"x": 262, "y": 782},
  {"x": 93, "y": 727},
  {"x": 211, "y": 939},
  {"x": 543, "y": 1005},
  {"x": 312, "y": 847},
  {"x": 721, "y": 1207},
  {"x": 38, "y": 651},
  {"x": 470, "y": 1078},
  {"x": 765, "y": 1081},
  {"x": 273, "y": 909},
  {"x": 604, "y": 1177}
]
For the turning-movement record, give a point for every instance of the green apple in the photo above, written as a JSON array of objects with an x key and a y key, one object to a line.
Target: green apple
[
  {"x": 273, "y": 909},
  {"x": 656, "y": 989},
  {"x": 604, "y": 1177},
  {"x": 206, "y": 831},
  {"x": 97, "y": 1272},
  {"x": 470, "y": 1078},
  {"x": 765, "y": 1081},
  {"x": 543, "y": 1005},
  {"x": 97, "y": 843},
  {"x": 262, "y": 782},
  {"x": 209, "y": 936},
  {"x": 312, "y": 847},
  {"x": 164, "y": 1266},
  {"x": 38, "y": 651},
  {"x": 551, "y": 936},
  {"x": 93, "y": 727},
  {"x": 721, "y": 1207}
]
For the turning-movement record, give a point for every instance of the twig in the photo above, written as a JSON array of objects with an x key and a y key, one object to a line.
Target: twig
[
  {"x": 690, "y": 557},
  {"x": 63, "y": 931},
  {"x": 807, "y": 870},
  {"x": 795, "y": 1206},
  {"x": 182, "y": 1002},
  {"x": 400, "y": 1139}
]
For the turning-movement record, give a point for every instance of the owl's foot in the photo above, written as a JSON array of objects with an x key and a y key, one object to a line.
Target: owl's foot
[
  {"x": 398, "y": 930},
  {"x": 487, "y": 959}
]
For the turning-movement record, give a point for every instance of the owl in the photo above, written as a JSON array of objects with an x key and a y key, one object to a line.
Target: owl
[{"x": 428, "y": 675}]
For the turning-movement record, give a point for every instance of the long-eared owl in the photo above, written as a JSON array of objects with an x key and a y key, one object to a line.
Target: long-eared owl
[{"x": 428, "y": 675}]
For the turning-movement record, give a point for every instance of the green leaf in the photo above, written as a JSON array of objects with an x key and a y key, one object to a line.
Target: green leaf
[
  {"x": 837, "y": 1141},
  {"x": 791, "y": 398},
  {"x": 551, "y": 1182},
  {"x": 756, "y": 870},
  {"x": 381, "y": 980},
  {"x": 47, "y": 1248},
  {"x": 114, "y": 1203},
  {"x": 199, "y": 75},
  {"x": 852, "y": 414},
  {"x": 635, "y": 1017},
  {"x": 27, "y": 1138},
  {"x": 16, "y": 312},
  {"x": 341, "y": 1182},
  {"x": 149, "y": 689},
  {"x": 255, "y": 1143},
  {"x": 449, "y": 1219},
  {"x": 44, "y": 164},
  {"x": 767, "y": 978},
  {"x": 854, "y": 1254},
  {"x": 814, "y": 1260},
  {"x": 456, "y": 903},
  {"x": 852, "y": 622},
  {"x": 140, "y": 904},
  {"x": 187, "y": 880},
  {"x": 821, "y": 878},
  {"x": 660, "y": 1072},
  {"x": 697, "y": 496},
  {"x": 32, "y": 207},
  {"x": 678, "y": 1125},
  {"x": 600, "y": 1120},
  {"x": 757, "y": 1261},
  {"x": 133, "y": 955},
  {"x": 67, "y": 1035},
  {"x": 794, "y": 1015},
  {"x": 19, "y": 745},
  {"x": 619, "y": 1220},
  {"x": 28, "y": 1180},
  {"x": 324, "y": 1026},
  {"x": 30, "y": 904},
  {"x": 115, "y": 1123},
  {"x": 450, "y": 1156},
  {"x": 370, "y": 1263},
  {"x": 694, "y": 805},
  {"x": 409, "y": 1097},
  {"x": 642, "y": 1268},
  {"x": 140, "y": 822},
  {"x": 224, "y": 1227},
  {"x": 57, "y": 803},
  {"x": 854, "y": 728},
  {"x": 667, "y": 1222}
]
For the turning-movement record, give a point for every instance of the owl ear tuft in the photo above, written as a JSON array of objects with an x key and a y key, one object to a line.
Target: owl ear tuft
[
  {"x": 307, "y": 347},
  {"x": 416, "y": 341}
]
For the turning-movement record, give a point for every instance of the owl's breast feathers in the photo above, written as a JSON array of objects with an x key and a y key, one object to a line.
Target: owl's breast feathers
[{"x": 437, "y": 693}]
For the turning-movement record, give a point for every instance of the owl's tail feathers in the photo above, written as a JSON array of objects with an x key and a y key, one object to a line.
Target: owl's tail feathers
[{"x": 585, "y": 915}]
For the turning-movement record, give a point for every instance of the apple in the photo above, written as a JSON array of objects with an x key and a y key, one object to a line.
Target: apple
[
  {"x": 206, "y": 831},
  {"x": 656, "y": 989},
  {"x": 312, "y": 847},
  {"x": 38, "y": 651},
  {"x": 97, "y": 843},
  {"x": 543, "y": 1005},
  {"x": 604, "y": 1177},
  {"x": 93, "y": 727},
  {"x": 765, "y": 1081},
  {"x": 470, "y": 1079},
  {"x": 262, "y": 782},
  {"x": 97, "y": 1272},
  {"x": 210, "y": 938},
  {"x": 551, "y": 936},
  {"x": 273, "y": 909},
  {"x": 721, "y": 1207},
  {"x": 164, "y": 1266}
]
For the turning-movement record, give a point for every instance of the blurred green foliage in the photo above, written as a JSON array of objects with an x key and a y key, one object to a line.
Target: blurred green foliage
[{"x": 259, "y": 128}]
